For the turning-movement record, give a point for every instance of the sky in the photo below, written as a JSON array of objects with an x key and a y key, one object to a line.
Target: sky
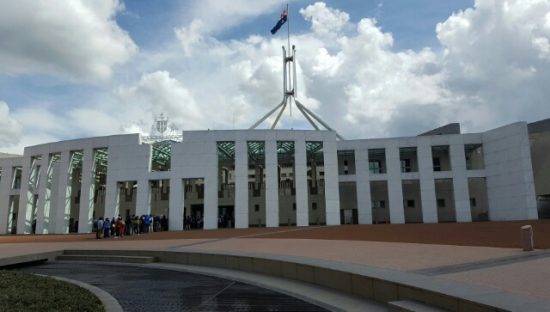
[{"x": 370, "y": 68}]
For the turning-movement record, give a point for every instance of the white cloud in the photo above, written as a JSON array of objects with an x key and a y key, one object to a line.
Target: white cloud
[
  {"x": 350, "y": 77},
  {"x": 496, "y": 59},
  {"x": 220, "y": 15},
  {"x": 10, "y": 129},
  {"x": 158, "y": 92},
  {"x": 190, "y": 36},
  {"x": 492, "y": 68},
  {"x": 76, "y": 39},
  {"x": 325, "y": 20}
]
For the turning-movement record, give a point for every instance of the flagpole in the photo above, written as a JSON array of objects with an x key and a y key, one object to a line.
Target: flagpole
[
  {"x": 288, "y": 28},
  {"x": 288, "y": 49}
]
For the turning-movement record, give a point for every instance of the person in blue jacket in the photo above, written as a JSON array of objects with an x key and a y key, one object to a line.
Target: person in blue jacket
[{"x": 106, "y": 228}]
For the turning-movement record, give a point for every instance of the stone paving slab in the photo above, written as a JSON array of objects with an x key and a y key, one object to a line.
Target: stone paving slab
[
  {"x": 528, "y": 278},
  {"x": 396, "y": 256}
]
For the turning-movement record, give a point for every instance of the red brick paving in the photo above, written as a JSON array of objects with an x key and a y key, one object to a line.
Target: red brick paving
[{"x": 491, "y": 234}]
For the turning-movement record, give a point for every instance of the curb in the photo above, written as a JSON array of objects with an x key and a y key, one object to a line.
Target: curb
[{"x": 109, "y": 302}]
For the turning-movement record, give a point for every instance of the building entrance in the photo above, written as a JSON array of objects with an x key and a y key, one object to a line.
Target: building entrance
[{"x": 226, "y": 216}]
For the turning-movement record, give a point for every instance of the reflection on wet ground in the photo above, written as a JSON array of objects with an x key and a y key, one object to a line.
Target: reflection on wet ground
[{"x": 148, "y": 289}]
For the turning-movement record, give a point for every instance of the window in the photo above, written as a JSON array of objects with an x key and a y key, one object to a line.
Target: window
[
  {"x": 408, "y": 158},
  {"x": 472, "y": 202},
  {"x": 375, "y": 167},
  {"x": 378, "y": 204},
  {"x": 437, "y": 164},
  {"x": 441, "y": 157},
  {"x": 256, "y": 208},
  {"x": 406, "y": 165},
  {"x": 377, "y": 161},
  {"x": 294, "y": 206},
  {"x": 474, "y": 156},
  {"x": 440, "y": 203},
  {"x": 313, "y": 206},
  {"x": 346, "y": 167},
  {"x": 410, "y": 203},
  {"x": 165, "y": 193},
  {"x": 128, "y": 195}
]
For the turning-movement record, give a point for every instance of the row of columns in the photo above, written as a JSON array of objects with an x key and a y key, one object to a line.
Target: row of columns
[
  {"x": 242, "y": 208},
  {"x": 427, "y": 182},
  {"x": 53, "y": 208}
]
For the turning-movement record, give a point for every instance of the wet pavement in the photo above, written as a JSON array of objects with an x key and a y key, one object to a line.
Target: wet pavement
[{"x": 146, "y": 289}]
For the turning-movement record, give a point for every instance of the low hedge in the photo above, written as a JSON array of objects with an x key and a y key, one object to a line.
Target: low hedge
[{"x": 27, "y": 292}]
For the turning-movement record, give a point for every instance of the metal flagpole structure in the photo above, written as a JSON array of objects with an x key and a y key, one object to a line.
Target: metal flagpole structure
[
  {"x": 288, "y": 47},
  {"x": 290, "y": 92}
]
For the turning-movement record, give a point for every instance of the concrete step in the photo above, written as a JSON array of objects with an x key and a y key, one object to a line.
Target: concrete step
[
  {"x": 108, "y": 258},
  {"x": 411, "y": 306}
]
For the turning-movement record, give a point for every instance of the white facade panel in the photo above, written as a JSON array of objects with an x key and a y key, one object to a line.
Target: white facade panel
[
  {"x": 460, "y": 180},
  {"x": 271, "y": 183},
  {"x": 300, "y": 174},
  {"x": 364, "y": 204},
  {"x": 395, "y": 190},
  {"x": 241, "y": 184},
  {"x": 427, "y": 183},
  {"x": 332, "y": 194},
  {"x": 510, "y": 185}
]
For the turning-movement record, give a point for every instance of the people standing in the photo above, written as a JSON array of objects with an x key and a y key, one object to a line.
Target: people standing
[
  {"x": 106, "y": 228},
  {"x": 99, "y": 229}
]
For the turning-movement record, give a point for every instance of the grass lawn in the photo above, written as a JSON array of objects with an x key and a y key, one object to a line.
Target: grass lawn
[{"x": 26, "y": 292}]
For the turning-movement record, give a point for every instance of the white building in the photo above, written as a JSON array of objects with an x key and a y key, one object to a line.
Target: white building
[{"x": 243, "y": 178}]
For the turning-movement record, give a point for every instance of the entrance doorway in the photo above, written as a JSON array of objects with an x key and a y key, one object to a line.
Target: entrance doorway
[
  {"x": 226, "y": 216},
  {"x": 197, "y": 215}
]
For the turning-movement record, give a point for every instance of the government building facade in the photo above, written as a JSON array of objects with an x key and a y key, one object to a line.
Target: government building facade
[{"x": 271, "y": 178}]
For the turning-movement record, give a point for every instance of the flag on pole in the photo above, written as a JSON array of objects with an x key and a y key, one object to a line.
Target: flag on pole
[{"x": 280, "y": 23}]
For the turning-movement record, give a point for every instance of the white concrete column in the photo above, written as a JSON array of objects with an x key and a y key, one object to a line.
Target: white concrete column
[
  {"x": 271, "y": 184},
  {"x": 427, "y": 183},
  {"x": 460, "y": 180},
  {"x": 300, "y": 175},
  {"x": 63, "y": 208},
  {"x": 42, "y": 193},
  {"x": 112, "y": 195},
  {"x": 32, "y": 188},
  {"x": 85, "y": 214},
  {"x": 211, "y": 186},
  {"x": 5, "y": 187},
  {"x": 332, "y": 192},
  {"x": 395, "y": 187},
  {"x": 143, "y": 197},
  {"x": 364, "y": 203},
  {"x": 175, "y": 211},
  {"x": 22, "y": 226},
  {"x": 241, "y": 184}
]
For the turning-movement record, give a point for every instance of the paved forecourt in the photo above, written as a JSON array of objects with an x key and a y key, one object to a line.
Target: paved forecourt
[{"x": 507, "y": 269}]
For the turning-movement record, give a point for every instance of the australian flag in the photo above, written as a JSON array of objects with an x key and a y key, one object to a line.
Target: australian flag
[{"x": 280, "y": 23}]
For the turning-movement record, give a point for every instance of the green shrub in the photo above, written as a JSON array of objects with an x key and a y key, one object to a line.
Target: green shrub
[{"x": 27, "y": 292}]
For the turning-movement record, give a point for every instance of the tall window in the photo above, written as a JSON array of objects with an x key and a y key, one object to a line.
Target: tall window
[
  {"x": 375, "y": 166},
  {"x": 377, "y": 161},
  {"x": 406, "y": 165},
  {"x": 437, "y": 164}
]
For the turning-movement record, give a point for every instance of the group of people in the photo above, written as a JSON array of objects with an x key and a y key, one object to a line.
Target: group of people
[
  {"x": 190, "y": 222},
  {"x": 118, "y": 227}
]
